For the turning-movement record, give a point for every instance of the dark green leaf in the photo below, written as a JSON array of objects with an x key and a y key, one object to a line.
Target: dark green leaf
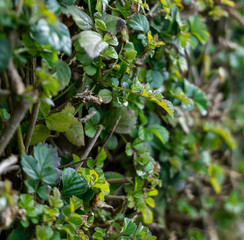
[
  {"x": 106, "y": 95},
  {"x": 154, "y": 78},
  {"x": 111, "y": 52},
  {"x": 42, "y": 166},
  {"x": 62, "y": 73},
  {"x": 56, "y": 37},
  {"x": 67, "y": 2},
  {"x": 128, "y": 227},
  {"x": 82, "y": 19},
  {"x": 139, "y": 23},
  {"x": 90, "y": 70},
  {"x": 127, "y": 122},
  {"x": 198, "y": 29},
  {"x": 73, "y": 183},
  {"x": 160, "y": 132},
  {"x": 5, "y": 53}
]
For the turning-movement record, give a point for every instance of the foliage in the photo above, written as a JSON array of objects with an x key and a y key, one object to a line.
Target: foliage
[{"x": 123, "y": 114}]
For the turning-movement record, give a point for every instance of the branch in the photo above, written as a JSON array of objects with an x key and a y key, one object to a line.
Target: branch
[
  {"x": 119, "y": 180},
  {"x": 31, "y": 125},
  {"x": 115, "y": 198},
  {"x": 6, "y": 164},
  {"x": 16, "y": 81},
  {"x": 12, "y": 125},
  {"x": 235, "y": 14},
  {"x": 110, "y": 135},
  {"x": 73, "y": 163},
  {"x": 90, "y": 146}
]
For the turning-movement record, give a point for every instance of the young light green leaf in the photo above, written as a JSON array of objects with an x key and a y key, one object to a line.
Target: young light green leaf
[
  {"x": 60, "y": 122},
  {"x": 40, "y": 134},
  {"x": 75, "y": 134}
]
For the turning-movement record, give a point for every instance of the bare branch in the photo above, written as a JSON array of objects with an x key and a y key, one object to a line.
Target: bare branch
[
  {"x": 16, "y": 81},
  {"x": 110, "y": 135},
  {"x": 90, "y": 146},
  {"x": 12, "y": 125},
  {"x": 7, "y": 163},
  {"x": 119, "y": 180},
  {"x": 31, "y": 125}
]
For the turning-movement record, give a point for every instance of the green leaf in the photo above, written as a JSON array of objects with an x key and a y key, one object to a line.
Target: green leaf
[
  {"x": 62, "y": 73},
  {"x": 18, "y": 233},
  {"x": 106, "y": 95},
  {"x": 139, "y": 23},
  {"x": 128, "y": 227},
  {"x": 160, "y": 132},
  {"x": 94, "y": 47},
  {"x": 154, "y": 78},
  {"x": 101, "y": 25},
  {"x": 56, "y": 37},
  {"x": 5, "y": 53},
  {"x": 111, "y": 52},
  {"x": 90, "y": 70},
  {"x": 82, "y": 20},
  {"x": 112, "y": 22},
  {"x": 43, "y": 166},
  {"x": 40, "y": 134},
  {"x": 90, "y": 130},
  {"x": 75, "y": 134},
  {"x": 43, "y": 192},
  {"x": 67, "y": 2},
  {"x": 73, "y": 183},
  {"x": 127, "y": 122},
  {"x": 60, "y": 122},
  {"x": 198, "y": 29}
]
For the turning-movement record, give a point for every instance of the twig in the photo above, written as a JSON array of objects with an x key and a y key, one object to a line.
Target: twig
[
  {"x": 119, "y": 180},
  {"x": 87, "y": 117},
  {"x": 140, "y": 60},
  {"x": 20, "y": 142},
  {"x": 6, "y": 163},
  {"x": 115, "y": 198},
  {"x": 16, "y": 81},
  {"x": 110, "y": 135},
  {"x": 90, "y": 146},
  {"x": 31, "y": 125},
  {"x": 73, "y": 163},
  {"x": 235, "y": 14},
  {"x": 20, "y": 111}
]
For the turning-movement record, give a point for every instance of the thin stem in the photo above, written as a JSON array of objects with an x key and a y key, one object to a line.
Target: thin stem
[
  {"x": 31, "y": 125},
  {"x": 90, "y": 10},
  {"x": 65, "y": 91},
  {"x": 20, "y": 142},
  {"x": 116, "y": 61},
  {"x": 73, "y": 163},
  {"x": 119, "y": 180},
  {"x": 110, "y": 135},
  {"x": 115, "y": 198},
  {"x": 100, "y": 69},
  {"x": 90, "y": 146}
]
